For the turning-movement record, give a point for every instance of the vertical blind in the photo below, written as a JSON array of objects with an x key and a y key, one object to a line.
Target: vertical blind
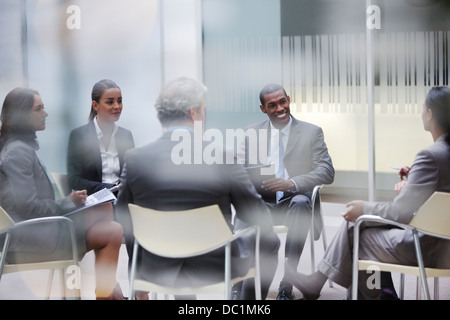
[{"x": 327, "y": 73}]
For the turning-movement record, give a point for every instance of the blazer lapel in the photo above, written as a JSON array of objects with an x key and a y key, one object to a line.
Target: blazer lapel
[{"x": 293, "y": 136}]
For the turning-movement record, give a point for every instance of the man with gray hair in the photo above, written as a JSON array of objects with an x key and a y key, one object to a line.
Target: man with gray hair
[{"x": 163, "y": 176}]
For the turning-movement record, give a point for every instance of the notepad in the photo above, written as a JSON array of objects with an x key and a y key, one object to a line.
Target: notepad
[{"x": 99, "y": 197}]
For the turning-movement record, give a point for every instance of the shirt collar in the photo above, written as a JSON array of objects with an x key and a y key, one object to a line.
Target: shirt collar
[
  {"x": 285, "y": 130},
  {"x": 99, "y": 131}
]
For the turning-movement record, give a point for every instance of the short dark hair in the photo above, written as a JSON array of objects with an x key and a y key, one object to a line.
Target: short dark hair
[{"x": 270, "y": 88}]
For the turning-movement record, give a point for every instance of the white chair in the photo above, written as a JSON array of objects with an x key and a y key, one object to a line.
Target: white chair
[
  {"x": 316, "y": 210},
  {"x": 62, "y": 184},
  {"x": 7, "y": 225},
  {"x": 432, "y": 218},
  {"x": 188, "y": 233}
]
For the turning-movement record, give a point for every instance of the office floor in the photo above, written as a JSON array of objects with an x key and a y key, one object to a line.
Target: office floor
[{"x": 31, "y": 285}]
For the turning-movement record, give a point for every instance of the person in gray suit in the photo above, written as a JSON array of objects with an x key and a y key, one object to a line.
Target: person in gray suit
[
  {"x": 429, "y": 172},
  {"x": 174, "y": 173},
  {"x": 26, "y": 192},
  {"x": 301, "y": 161}
]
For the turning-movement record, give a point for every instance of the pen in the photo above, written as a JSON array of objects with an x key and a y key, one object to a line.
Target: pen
[{"x": 395, "y": 168}]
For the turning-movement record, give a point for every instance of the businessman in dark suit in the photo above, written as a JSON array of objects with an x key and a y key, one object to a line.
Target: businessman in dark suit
[
  {"x": 160, "y": 177},
  {"x": 305, "y": 163}
]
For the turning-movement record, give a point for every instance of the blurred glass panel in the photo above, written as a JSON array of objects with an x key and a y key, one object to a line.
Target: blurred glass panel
[
  {"x": 321, "y": 47},
  {"x": 70, "y": 45}
]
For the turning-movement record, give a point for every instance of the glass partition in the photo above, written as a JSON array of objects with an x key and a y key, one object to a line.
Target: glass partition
[{"x": 318, "y": 51}]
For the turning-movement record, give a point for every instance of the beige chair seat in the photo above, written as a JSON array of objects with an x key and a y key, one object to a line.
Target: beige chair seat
[{"x": 183, "y": 234}]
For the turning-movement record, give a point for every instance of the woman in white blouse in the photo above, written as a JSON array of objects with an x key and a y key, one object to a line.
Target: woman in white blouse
[{"x": 96, "y": 149}]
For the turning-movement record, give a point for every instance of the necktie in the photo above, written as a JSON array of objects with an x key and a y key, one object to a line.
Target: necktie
[{"x": 280, "y": 171}]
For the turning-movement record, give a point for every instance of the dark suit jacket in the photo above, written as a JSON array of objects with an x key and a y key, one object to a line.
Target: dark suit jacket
[
  {"x": 150, "y": 178},
  {"x": 84, "y": 162}
]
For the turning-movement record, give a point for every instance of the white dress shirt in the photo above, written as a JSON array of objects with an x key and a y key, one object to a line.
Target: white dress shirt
[{"x": 110, "y": 157}]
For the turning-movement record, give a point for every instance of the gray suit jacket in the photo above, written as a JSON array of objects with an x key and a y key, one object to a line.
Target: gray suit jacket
[
  {"x": 26, "y": 192},
  {"x": 429, "y": 172},
  {"x": 150, "y": 178},
  {"x": 25, "y": 189},
  {"x": 306, "y": 158}
]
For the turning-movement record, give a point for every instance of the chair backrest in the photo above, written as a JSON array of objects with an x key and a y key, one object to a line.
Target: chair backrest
[
  {"x": 433, "y": 216},
  {"x": 61, "y": 183},
  {"x": 5, "y": 220},
  {"x": 179, "y": 233}
]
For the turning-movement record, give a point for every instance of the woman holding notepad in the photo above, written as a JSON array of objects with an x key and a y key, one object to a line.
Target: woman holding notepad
[{"x": 26, "y": 192}]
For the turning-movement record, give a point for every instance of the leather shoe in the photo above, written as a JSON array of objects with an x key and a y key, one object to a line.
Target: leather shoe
[
  {"x": 387, "y": 294},
  {"x": 235, "y": 295},
  {"x": 236, "y": 291},
  {"x": 285, "y": 293}
]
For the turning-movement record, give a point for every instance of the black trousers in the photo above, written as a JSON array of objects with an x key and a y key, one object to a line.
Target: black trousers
[{"x": 295, "y": 212}]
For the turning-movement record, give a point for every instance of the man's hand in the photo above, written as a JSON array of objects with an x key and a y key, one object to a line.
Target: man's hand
[{"x": 277, "y": 184}]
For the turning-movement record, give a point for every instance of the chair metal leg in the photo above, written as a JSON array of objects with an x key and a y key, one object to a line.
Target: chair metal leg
[
  {"x": 418, "y": 289},
  {"x": 227, "y": 272},
  {"x": 423, "y": 276},
  {"x": 313, "y": 260},
  {"x": 402, "y": 286},
  {"x": 315, "y": 194},
  {"x": 4, "y": 253},
  {"x": 436, "y": 289},
  {"x": 324, "y": 240},
  {"x": 355, "y": 269},
  {"x": 64, "y": 291},
  {"x": 257, "y": 267},
  {"x": 49, "y": 284},
  {"x": 133, "y": 270}
]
